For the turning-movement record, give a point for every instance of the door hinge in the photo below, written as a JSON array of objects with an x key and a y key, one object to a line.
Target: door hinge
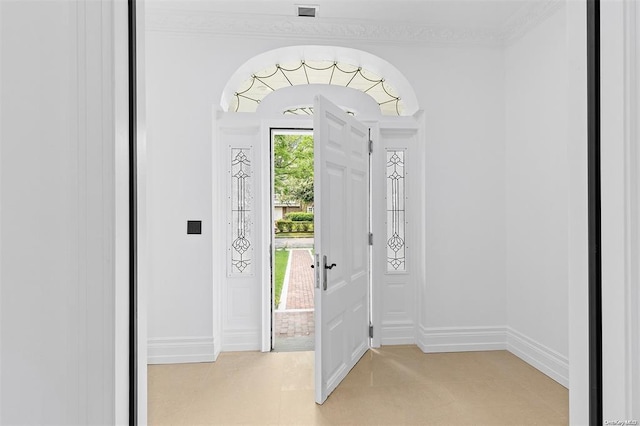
[
  {"x": 370, "y": 331},
  {"x": 370, "y": 238},
  {"x": 370, "y": 146}
]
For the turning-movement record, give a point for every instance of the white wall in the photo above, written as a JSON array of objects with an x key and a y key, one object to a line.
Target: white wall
[
  {"x": 59, "y": 276},
  {"x": 465, "y": 193},
  {"x": 462, "y": 93},
  {"x": 536, "y": 179}
]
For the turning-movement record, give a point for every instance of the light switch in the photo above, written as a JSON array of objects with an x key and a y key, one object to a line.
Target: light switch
[{"x": 194, "y": 227}]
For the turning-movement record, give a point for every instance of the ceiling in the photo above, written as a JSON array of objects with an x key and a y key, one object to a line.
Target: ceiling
[{"x": 476, "y": 14}]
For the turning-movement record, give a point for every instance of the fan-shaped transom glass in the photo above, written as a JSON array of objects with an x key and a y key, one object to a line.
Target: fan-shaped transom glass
[{"x": 278, "y": 76}]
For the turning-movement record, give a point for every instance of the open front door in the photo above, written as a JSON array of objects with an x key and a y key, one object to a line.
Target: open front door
[{"x": 342, "y": 244}]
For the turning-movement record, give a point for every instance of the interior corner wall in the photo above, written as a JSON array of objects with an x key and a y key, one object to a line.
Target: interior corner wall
[
  {"x": 537, "y": 194},
  {"x": 463, "y": 306},
  {"x": 461, "y": 92}
]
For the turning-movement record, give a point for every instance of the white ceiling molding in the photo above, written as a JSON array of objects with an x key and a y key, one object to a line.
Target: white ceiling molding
[
  {"x": 527, "y": 18},
  {"x": 204, "y": 22}
]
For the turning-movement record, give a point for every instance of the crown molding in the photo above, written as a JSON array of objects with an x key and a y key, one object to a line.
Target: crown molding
[
  {"x": 528, "y": 17},
  {"x": 303, "y": 29},
  {"x": 192, "y": 22}
]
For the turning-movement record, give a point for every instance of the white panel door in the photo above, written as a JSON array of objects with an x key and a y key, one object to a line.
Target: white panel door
[{"x": 341, "y": 244}]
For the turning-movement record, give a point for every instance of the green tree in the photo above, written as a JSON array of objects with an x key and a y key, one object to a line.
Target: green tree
[
  {"x": 303, "y": 192},
  {"x": 293, "y": 168}
]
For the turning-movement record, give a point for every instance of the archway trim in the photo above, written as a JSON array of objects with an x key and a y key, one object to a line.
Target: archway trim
[{"x": 376, "y": 75}]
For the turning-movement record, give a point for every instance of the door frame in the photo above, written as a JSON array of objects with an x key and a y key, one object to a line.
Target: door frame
[
  {"x": 266, "y": 211},
  {"x": 594, "y": 205},
  {"x": 383, "y": 129},
  {"x": 270, "y": 116},
  {"x": 270, "y": 300},
  {"x": 137, "y": 299},
  {"x": 134, "y": 125}
]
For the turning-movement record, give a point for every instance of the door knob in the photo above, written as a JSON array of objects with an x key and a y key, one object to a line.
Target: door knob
[{"x": 329, "y": 266}]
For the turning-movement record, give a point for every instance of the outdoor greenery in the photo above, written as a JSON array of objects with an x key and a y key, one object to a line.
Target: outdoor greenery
[
  {"x": 293, "y": 168},
  {"x": 299, "y": 217},
  {"x": 282, "y": 257},
  {"x": 284, "y": 225}
]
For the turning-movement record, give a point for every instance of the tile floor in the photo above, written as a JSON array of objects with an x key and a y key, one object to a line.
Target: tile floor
[{"x": 395, "y": 385}]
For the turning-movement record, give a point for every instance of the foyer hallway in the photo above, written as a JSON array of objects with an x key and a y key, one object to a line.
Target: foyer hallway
[{"x": 394, "y": 385}]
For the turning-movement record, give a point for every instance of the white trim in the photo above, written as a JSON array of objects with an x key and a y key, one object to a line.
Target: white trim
[
  {"x": 144, "y": 264},
  {"x": 1, "y": 370},
  {"x": 265, "y": 222},
  {"x": 467, "y": 339},
  {"x": 528, "y": 17},
  {"x": 539, "y": 356},
  {"x": 620, "y": 237},
  {"x": 361, "y": 58},
  {"x": 218, "y": 233},
  {"x": 462, "y": 339},
  {"x": 632, "y": 207},
  {"x": 397, "y": 333},
  {"x": 348, "y": 30},
  {"x": 421, "y": 285},
  {"x": 119, "y": 26},
  {"x": 235, "y": 341},
  {"x": 176, "y": 350},
  {"x": 578, "y": 264},
  {"x": 202, "y": 22},
  {"x": 614, "y": 208},
  {"x": 361, "y": 104}
]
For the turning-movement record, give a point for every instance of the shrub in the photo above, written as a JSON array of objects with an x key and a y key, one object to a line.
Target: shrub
[
  {"x": 303, "y": 226},
  {"x": 299, "y": 217},
  {"x": 284, "y": 225}
]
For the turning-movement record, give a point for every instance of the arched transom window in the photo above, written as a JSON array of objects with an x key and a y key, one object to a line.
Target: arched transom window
[{"x": 258, "y": 85}]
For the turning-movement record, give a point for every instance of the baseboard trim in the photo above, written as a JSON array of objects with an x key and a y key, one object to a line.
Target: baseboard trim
[
  {"x": 178, "y": 350},
  {"x": 539, "y": 356},
  {"x": 464, "y": 339},
  {"x": 401, "y": 333},
  {"x": 236, "y": 341},
  {"x": 461, "y": 339}
]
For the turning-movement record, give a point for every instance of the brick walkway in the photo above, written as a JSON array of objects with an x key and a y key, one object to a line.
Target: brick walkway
[
  {"x": 300, "y": 295},
  {"x": 297, "y": 320},
  {"x": 294, "y": 324}
]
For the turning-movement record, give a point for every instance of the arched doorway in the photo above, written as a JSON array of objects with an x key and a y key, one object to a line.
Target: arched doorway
[{"x": 243, "y": 321}]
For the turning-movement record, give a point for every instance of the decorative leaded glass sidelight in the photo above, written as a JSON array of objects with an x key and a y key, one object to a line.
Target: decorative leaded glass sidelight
[
  {"x": 241, "y": 203},
  {"x": 396, "y": 215}
]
